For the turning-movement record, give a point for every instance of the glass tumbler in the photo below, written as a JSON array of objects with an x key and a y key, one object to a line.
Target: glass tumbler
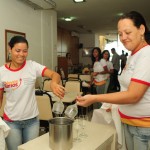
[
  {"x": 71, "y": 111},
  {"x": 58, "y": 107}
]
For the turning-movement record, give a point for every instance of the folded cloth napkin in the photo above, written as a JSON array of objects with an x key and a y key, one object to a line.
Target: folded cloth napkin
[
  {"x": 4, "y": 130},
  {"x": 118, "y": 126}
]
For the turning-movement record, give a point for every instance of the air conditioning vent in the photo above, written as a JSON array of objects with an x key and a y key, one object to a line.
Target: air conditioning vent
[{"x": 40, "y": 4}]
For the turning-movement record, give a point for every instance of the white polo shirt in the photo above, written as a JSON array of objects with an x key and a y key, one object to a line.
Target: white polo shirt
[
  {"x": 137, "y": 69},
  {"x": 110, "y": 67},
  {"x": 20, "y": 90},
  {"x": 99, "y": 67}
]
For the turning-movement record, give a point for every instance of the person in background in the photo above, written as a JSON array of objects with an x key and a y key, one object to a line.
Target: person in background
[
  {"x": 70, "y": 64},
  {"x": 99, "y": 72},
  {"x": 116, "y": 64},
  {"x": 68, "y": 56},
  {"x": 134, "y": 99},
  {"x": 123, "y": 59},
  {"x": 106, "y": 56},
  {"x": 17, "y": 80}
]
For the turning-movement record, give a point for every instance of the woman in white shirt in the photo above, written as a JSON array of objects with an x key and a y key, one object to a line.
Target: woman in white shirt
[
  {"x": 134, "y": 98},
  {"x": 99, "y": 71},
  {"x": 17, "y": 79},
  {"x": 106, "y": 56}
]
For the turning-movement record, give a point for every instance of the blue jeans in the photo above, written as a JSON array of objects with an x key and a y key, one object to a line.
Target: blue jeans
[
  {"x": 21, "y": 132},
  {"x": 137, "y": 138},
  {"x": 106, "y": 85}
]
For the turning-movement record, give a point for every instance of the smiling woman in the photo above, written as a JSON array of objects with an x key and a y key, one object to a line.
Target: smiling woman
[
  {"x": 8, "y": 35},
  {"x": 17, "y": 79}
]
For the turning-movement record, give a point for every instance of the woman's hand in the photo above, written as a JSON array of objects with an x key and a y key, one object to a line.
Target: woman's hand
[
  {"x": 85, "y": 100},
  {"x": 58, "y": 90}
]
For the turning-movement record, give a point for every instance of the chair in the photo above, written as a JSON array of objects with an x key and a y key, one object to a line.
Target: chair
[
  {"x": 85, "y": 79},
  {"x": 37, "y": 84},
  {"x": 86, "y": 88},
  {"x": 45, "y": 112},
  {"x": 3, "y": 104},
  {"x": 73, "y": 86},
  {"x": 76, "y": 76},
  {"x": 46, "y": 85}
]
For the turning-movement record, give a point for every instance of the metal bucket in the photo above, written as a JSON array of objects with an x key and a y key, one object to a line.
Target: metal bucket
[{"x": 60, "y": 133}]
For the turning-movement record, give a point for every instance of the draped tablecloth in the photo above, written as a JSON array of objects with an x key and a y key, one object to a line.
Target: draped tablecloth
[{"x": 112, "y": 118}]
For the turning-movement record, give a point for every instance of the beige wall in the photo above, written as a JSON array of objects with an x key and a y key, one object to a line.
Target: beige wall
[{"x": 40, "y": 28}]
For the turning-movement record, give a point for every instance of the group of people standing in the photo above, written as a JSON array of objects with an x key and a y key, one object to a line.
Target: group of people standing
[
  {"x": 105, "y": 72},
  {"x": 117, "y": 63},
  {"x": 102, "y": 68}
]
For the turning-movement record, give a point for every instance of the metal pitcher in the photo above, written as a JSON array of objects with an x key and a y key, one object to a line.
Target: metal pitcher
[{"x": 60, "y": 133}]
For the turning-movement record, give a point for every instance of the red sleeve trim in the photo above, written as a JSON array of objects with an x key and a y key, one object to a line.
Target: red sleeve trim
[
  {"x": 140, "y": 81},
  {"x": 1, "y": 89},
  {"x": 43, "y": 71}
]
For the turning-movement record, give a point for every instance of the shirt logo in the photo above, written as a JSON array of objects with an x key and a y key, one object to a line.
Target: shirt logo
[{"x": 12, "y": 84}]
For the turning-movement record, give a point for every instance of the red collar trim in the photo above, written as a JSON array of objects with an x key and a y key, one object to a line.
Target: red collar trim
[
  {"x": 17, "y": 68},
  {"x": 138, "y": 49}
]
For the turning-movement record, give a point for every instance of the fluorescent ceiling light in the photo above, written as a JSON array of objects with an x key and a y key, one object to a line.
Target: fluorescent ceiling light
[
  {"x": 120, "y": 14},
  {"x": 68, "y": 19},
  {"x": 79, "y": 1}
]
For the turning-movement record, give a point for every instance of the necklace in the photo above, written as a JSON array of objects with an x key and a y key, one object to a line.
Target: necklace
[
  {"x": 15, "y": 66},
  {"x": 10, "y": 65}
]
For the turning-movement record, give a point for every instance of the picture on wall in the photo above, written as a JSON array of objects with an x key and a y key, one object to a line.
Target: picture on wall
[{"x": 8, "y": 35}]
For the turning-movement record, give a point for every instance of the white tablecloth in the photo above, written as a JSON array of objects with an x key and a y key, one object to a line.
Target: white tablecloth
[
  {"x": 100, "y": 137},
  {"x": 112, "y": 118}
]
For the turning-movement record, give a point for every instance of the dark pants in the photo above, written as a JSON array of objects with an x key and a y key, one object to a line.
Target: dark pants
[{"x": 114, "y": 83}]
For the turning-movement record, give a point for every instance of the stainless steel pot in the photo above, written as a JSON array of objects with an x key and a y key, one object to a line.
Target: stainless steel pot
[{"x": 60, "y": 133}]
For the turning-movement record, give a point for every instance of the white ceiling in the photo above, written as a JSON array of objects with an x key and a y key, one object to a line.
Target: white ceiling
[{"x": 98, "y": 16}]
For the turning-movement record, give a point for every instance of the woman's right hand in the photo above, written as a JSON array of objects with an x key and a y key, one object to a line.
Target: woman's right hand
[{"x": 85, "y": 101}]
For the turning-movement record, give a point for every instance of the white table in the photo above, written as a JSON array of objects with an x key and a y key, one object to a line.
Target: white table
[
  {"x": 100, "y": 137},
  {"x": 68, "y": 98}
]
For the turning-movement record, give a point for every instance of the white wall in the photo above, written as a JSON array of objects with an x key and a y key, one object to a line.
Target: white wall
[{"x": 40, "y": 27}]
